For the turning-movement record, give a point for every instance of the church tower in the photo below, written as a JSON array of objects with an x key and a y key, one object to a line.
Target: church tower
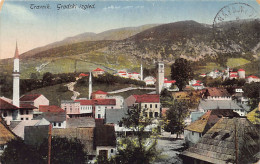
[
  {"x": 90, "y": 86},
  {"x": 160, "y": 78},
  {"x": 16, "y": 79}
]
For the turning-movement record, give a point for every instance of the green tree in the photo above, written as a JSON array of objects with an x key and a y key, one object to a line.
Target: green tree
[
  {"x": 175, "y": 116},
  {"x": 182, "y": 72},
  {"x": 141, "y": 146},
  {"x": 252, "y": 91}
]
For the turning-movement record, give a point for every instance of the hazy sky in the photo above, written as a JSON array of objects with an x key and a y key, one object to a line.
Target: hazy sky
[{"x": 37, "y": 27}]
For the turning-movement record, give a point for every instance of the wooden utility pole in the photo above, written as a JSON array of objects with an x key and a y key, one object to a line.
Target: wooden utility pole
[{"x": 49, "y": 144}]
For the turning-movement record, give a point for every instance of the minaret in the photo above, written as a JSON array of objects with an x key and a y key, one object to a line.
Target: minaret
[
  {"x": 160, "y": 78},
  {"x": 141, "y": 71},
  {"x": 89, "y": 86},
  {"x": 16, "y": 79}
]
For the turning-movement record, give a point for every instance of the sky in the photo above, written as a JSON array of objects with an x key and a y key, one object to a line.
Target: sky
[{"x": 32, "y": 28}]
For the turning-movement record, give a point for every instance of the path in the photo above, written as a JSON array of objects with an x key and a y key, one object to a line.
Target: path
[
  {"x": 129, "y": 88},
  {"x": 71, "y": 88}
]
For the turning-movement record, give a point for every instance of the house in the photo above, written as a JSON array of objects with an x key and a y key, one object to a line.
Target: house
[
  {"x": 149, "y": 80},
  {"x": 57, "y": 119},
  {"x": 83, "y": 75},
  {"x": 206, "y": 105},
  {"x": 99, "y": 95},
  {"x": 238, "y": 96},
  {"x": 198, "y": 86},
  {"x": 150, "y": 102},
  {"x": 120, "y": 101},
  {"x": 98, "y": 71},
  {"x": 19, "y": 126},
  {"x": 34, "y": 99},
  {"x": 216, "y": 94},
  {"x": 230, "y": 140},
  {"x": 8, "y": 111},
  {"x": 71, "y": 107},
  {"x": 252, "y": 78},
  {"x": 168, "y": 83},
  {"x": 35, "y": 135},
  {"x": 85, "y": 135},
  {"x": 105, "y": 141},
  {"x": 194, "y": 131},
  {"x": 203, "y": 75},
  {"x": 6, "y": 135},
  {"x": 86, "y": 108},
  {"x": 101, "y": 105},
  {"x": 135, "y": 76},
  {"x": 50, "y": 108}
]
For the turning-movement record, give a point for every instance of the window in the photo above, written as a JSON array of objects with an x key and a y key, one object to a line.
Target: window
[
  {"x": 54, "y": 124},
  {"x": 21, "y": 118},
  {"x": 200, "y": 135},
  {"x": 145, "y": 105},
  {"x": 156, "y": 114},
  {"x": 27, "y": 118},
  {"x": 192, "y": 133},
  {"x": 59, "y": 124},
  {"x": 5, "y": 114},
  {"x": 156, "y": 106},
  {"x": 27, "y": 112},
  {"x": 112, "y": 107},
  {"x": 99, "y": 115},
  {"x": 151, "y": 105},
  {"x": 21, "y": 112},
  {"x": 151, "y": 114},
  {"x": 112, "y": 150}
]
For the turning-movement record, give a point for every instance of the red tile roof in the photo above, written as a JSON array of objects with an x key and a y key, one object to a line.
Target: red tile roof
[
  {"x": 135, "y": 73},
  {"x": 254, "y": 77},
  {"x": 241, "y": 70},
  {"x": 50, "y": 108},
  {"x": 27, "y": 106},
  {"x": 85, "y": 102},
  {"x": 83, "y": 74},
  {"x": 98, "y": 69},
  {"x": 121, "y": 72},
  {"x": 197, "y": 84},
  {"x": 151, "y": 98},
  {"x": 233, "y": 75},
  {"x": 170, "y": 81},
  {"x": 104, "y": 101},
  {"x": 30, "y": 97},
  {"x": 99, "y": 92},
  {"x": 198, "y": 81},
  {"x": 6, "y": 105}
]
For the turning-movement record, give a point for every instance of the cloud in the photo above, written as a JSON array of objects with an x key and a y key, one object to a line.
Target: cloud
[{"x": 18, "y": 12}]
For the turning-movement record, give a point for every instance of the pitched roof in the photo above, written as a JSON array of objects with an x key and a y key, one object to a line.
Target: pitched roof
[
  {"x": 29, "y": 97},
  {"x": 147, "y": 98},
  {"x": 80, "y": 122},
  {"x": 206, "y": 121},
  {"x": 220, "y": 143},
  {"x": 6, "y": 134},
  {"x": 104, "y": 101},
  {"x": 83, "y": 74},
  {"x": 6, "y": 105},
  {"x": 85, "y": 135},
  {"x": 113, "y": 116},
  {"x": 241, "y": 70},
  {"x": 99, "y": 92},
  {"x": 27, "y": 106},
  {"x": 233, "y": 75},
  {"x": 53, "y": 117},
  {"x": 197, "y": 84},
  {"x": 50, "y": 108},
  {"x": 169, "y": 81},
  {"x": 217, "y": 92},
  {"x": 105, "y": 135},
  {"x": 252, "y": 76},
  {"x": 98, "y": 69},
  {"x": 85, "y": 102},
  {"x": 218, "y": 104}
]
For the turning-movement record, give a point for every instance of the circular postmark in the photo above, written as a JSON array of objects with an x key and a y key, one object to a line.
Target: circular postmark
[{"x": 236, "y": 28}]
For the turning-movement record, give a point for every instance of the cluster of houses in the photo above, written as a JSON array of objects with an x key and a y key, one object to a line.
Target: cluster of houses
[
  {"x": 230, "y": 74},
  {"x": 217, "y": 130}
]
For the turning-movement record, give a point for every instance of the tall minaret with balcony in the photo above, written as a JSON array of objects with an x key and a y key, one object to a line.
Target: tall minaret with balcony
[
  {"x": 141, "y": 71},
  {"x": 16, "y": 79},
  {"x": 90, "y": 86}
]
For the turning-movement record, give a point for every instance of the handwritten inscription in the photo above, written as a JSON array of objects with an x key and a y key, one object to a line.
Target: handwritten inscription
[{"x": 63, "y": 6}]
